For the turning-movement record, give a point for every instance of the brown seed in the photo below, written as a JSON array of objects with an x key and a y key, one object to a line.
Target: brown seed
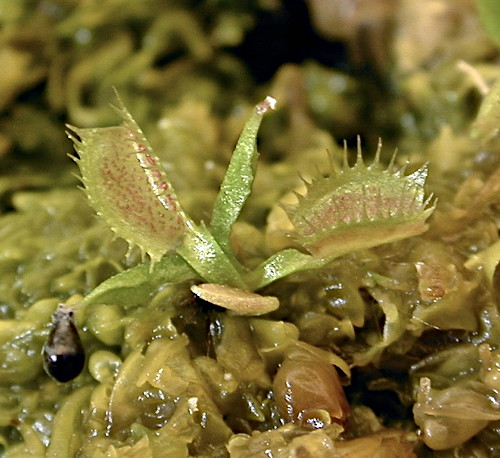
[{"x": 63, "y": 353}]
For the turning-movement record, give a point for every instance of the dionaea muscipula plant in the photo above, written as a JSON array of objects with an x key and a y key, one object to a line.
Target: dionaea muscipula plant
[{"x": 352, "y": 208}]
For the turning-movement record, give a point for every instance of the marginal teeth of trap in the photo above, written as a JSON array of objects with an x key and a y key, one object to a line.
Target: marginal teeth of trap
[
  {"x": 360, "y": 207},
  {"x": 128, "y": 188}
]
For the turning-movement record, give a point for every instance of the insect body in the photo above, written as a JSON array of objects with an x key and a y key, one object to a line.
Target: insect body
[{"x": 63, "y": 353}]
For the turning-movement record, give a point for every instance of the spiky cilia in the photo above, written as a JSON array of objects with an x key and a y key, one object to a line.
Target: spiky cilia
[
  {"x": 127, "y": 186},
  {"x": 360, "y": 207}
]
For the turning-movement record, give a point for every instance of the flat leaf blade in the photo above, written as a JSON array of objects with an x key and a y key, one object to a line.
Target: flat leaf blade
[
  {"x": 282, "y": 264},
  {"x": 238, "y": 180},
  {"x": 135, "y": 285}
]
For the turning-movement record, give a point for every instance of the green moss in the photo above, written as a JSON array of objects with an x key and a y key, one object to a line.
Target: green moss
[{"x": 413, "y": 322}]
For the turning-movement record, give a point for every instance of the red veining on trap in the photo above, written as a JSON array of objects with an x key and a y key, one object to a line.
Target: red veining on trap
[{"x": 139, "y": 194}]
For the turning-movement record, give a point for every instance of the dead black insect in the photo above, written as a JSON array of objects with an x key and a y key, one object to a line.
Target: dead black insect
[{"x": 63, "y": 353}]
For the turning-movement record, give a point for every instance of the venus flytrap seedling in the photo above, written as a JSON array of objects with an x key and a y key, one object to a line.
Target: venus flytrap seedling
[{"x": 355, "y": 208}]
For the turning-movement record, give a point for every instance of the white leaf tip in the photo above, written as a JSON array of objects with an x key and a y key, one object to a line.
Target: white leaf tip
[{"x": 269, "y": 103}]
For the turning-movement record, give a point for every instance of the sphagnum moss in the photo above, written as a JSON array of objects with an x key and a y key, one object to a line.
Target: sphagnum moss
[{"x": 413, "y": 322}]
